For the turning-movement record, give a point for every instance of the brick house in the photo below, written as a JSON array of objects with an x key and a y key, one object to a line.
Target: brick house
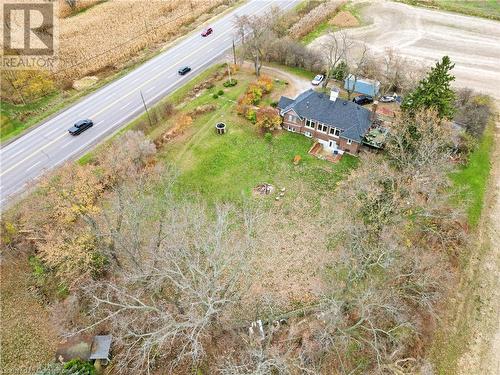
[{"x": 339, "y": 125}]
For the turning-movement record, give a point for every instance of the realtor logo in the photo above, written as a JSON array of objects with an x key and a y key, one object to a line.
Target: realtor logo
[{"x": 29, "y": 34}]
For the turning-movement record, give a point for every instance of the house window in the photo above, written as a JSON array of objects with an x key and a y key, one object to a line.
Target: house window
[
  {"x": 308, "y": 134},
  {"x": 310, "y": 124},
  {"x": 335, "y": 132},
  {"x": 322, "y": 128},
  {"x": 349, "y": 142},
  {"x": 290, "y": 129},
  {"x": 292, "y": 118}
]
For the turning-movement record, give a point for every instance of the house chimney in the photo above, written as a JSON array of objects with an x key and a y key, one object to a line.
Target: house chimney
[
  {"x": 373, "y": 116},
  {"x": 334, "y": 94}
]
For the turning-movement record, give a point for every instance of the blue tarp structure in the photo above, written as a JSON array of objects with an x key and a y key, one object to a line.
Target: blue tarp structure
[{"x": 362, "y": 85}]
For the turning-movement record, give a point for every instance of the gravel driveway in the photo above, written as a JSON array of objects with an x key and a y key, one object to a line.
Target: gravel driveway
[{"x": 426, "y": 35}]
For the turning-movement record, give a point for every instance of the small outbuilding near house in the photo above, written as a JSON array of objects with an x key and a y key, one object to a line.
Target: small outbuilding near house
[{"x": 362, "y": 85}]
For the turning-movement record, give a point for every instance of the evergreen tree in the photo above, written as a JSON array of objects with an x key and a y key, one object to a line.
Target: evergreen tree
[{"x": 434, "y": 91}]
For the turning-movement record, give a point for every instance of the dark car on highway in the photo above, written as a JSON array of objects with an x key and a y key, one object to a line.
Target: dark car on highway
[
  {"x": 207, "y": 32},
  {"x": 184, "y": 70},
  {"x": 80, "y": 126},
  {"x": 363, "y": 99}
]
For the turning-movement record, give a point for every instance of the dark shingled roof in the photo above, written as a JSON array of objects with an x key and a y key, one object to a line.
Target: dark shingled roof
[
  {"x": 284, "y": 102},
  {"x": 351, "y": 118}
]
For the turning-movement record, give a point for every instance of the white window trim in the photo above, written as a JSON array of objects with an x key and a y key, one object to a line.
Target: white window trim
[
  {"x": 310, "y": 124},
  {"x": 349, "y": 141},
  {"x": 322, "y": 126},
  {"x": 308, "y": 134},
  {"x": 334, "y": 130}
]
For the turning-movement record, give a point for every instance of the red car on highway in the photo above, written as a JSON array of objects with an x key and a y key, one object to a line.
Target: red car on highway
[{"x": 207, "y": 32}]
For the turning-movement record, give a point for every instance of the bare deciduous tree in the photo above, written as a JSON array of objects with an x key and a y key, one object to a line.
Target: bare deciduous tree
[
  {"x": 355, "y": 66},
  {"x": 256, "y": 36},
  {"x": 335, "y": 49},
  {"x": 179, "y": 273}
]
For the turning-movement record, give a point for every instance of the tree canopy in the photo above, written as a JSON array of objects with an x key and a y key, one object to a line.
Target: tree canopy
[{"x": 434, "y": 91}]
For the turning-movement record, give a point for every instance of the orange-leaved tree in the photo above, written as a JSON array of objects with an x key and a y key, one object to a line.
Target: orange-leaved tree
[{"x": 268, "y": 119}]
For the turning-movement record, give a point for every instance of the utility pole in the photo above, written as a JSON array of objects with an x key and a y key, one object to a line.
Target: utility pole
[
  {"x": 146, "y": 108},
  {"x": 234, "y": 53},
  {"x": 229, "y": 72}
]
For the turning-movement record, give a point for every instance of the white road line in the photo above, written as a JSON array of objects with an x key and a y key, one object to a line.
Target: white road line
[
  {"x": 101, "y": 133},
  {"x": 125, "y": 106},
  {"x": 33, "y": 166},
  {"x": 150, "y": 89},
  {"x": 33, "y": 154}
]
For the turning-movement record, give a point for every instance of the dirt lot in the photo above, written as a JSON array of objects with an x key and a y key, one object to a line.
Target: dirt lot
[{"x": 426, "y": 35}]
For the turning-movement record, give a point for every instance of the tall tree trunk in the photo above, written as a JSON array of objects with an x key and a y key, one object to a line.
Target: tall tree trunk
[{"x": 258, "y": 65}]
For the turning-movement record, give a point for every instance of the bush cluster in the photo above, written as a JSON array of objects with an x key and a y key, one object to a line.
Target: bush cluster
[{"x": 230, "y": 83}]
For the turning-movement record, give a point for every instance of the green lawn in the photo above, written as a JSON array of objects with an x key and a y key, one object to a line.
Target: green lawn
[
  {"x": 472, "y": 179},
  {"x": 294, "y": 70},
  {"x": 16, "y": 118},
  {"x": 175, "y": 98},
  {"x": 321, "y": 29},
  {"x": 479, "y": 8},
  {"x": 223, "y": 168}
]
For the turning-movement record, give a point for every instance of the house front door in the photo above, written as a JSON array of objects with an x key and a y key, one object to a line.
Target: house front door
[{"x": 332, "y": 144}]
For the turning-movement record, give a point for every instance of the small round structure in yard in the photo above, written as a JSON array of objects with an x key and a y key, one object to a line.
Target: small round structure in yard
[{"x": 220, "y": 127}]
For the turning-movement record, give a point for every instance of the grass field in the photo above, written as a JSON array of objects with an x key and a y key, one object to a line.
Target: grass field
[
  {"x": 222, "y": 168},
  {"x": 472, "y": 179},
  {"x": 463, "y": 323},
  {"x": 13, "y": 120},
  {"x": 479, "y": 8}
]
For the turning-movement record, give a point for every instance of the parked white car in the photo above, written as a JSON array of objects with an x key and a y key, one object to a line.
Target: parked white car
[
  {"x": 388, "y": 98},
  {"x": 318, "y": 79}
]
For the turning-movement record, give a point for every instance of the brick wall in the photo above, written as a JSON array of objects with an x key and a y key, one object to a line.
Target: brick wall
[{"x": 299, "y": 127}]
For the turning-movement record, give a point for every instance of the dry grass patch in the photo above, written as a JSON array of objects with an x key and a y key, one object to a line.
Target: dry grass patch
[
  {"x": 115, "y": 31},
  {"x": 28, "y": 339},
  {"x": 315, "y": 17},
  {"x": 344, "y": 19},
  {"x": 292, "y": 252},
  {"x": 65, "y": 10}
]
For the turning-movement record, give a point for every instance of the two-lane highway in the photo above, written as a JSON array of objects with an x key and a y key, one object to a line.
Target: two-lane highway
[{"x": 49, "y": 145}]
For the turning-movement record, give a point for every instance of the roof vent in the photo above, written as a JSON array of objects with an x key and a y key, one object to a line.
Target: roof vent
[{"x": 345, "y": 103}]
